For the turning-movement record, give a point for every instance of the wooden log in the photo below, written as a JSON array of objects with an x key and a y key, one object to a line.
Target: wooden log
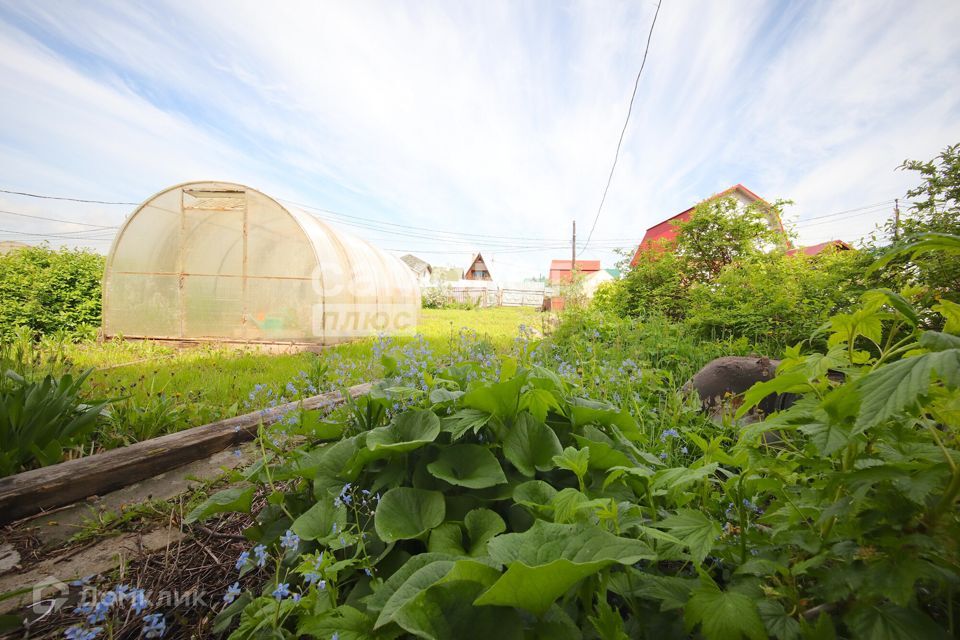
[{"x": 31, "y": 492}]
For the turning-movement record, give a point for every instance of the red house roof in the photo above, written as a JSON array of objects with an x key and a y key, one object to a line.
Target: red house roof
[
  {"x": 665, "y": 232},
  {"x": 560, "y": 269},
  {"x": 812, "y": 250}
]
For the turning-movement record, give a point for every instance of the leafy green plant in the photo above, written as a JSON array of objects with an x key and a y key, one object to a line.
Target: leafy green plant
[
  {"x": 40, "y": 420},
  {"x": 49, "y": 289}
]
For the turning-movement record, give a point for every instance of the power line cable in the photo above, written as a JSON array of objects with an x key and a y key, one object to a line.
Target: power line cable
[
  {"x": 813, "y": 222},
  {"x": 82, "y": 224},
  {"x": 45, "y": 197},
  {"x": 616, "y": 156},
  {"x": 50, "y": 236},
  {"x": 885, "y": 203},
  {"x": 417, "y": 228}
]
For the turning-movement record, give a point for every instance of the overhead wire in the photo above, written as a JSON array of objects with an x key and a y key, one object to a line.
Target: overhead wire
[
  {"x": 623, "y": 131},
  {"x": 46, "y": 197}
]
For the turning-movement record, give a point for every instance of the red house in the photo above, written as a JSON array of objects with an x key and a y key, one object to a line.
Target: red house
[
  {"x": 665, "y": 232},
  {"x": 560, "y": 270}
]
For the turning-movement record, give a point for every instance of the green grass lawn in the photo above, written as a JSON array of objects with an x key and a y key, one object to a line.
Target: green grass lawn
[{"x": 191, "y": 386}]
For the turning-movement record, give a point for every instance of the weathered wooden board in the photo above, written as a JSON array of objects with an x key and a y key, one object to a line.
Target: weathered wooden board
[{"x": 34, "y": 491}]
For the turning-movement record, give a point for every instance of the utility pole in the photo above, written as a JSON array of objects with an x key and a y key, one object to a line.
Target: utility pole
[
  {"x": 896, "y": 219},
  {"x": 573, "y": 251}
]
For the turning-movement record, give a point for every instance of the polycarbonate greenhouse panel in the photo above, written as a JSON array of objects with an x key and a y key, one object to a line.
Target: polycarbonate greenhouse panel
[{"x": 221, "y": 261}]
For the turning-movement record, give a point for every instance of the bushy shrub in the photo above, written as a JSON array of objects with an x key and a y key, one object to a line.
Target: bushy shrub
[
  {"x": 777, "y": 297},
  {"x": 49, "y": 290}
]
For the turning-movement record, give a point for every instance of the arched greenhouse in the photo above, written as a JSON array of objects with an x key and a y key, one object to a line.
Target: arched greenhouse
[{"x": 224, "y": 262}]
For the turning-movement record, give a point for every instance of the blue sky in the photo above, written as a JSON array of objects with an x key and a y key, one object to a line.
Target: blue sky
[{"x": 479, "y": 118}]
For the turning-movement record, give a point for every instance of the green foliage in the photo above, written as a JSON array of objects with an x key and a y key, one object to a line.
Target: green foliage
[
  {"x": 721, "y": 232},
  {"x": 528, "y": 508},
  {"x": 49, "y": 290},
  {"x": 40, "y": 420},
  {"x": 228, "y": 500},
  {"x": 934, "y": 211},
  {"x": 777, "y": 296}
]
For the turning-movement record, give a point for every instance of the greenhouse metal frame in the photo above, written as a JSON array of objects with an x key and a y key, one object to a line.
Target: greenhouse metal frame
[{"x": 219, "y": 261}]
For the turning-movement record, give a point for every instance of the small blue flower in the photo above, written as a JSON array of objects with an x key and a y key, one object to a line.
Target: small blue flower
[
  {"x": 139, "y": 601},
  {"x": 296, "y": 597},
  {"x": 237, "y": 453},
  {"x": 663, "y": 456},
  {"x": 155, "y": 626},
  {"x": 232, "y": 593},
  {"x": 669, "y": 433},
  {"x": 282, "y": 591},
  {"x": 310, "y": 577},
  {"x": 261, "y": 552},
  {"x": 242, "y": 560},
  {"x": 322, "y": 585},
  {"x": 99, "y": 613},
  {"x": 290, "y": 540},
  {"x": 76, "y": 632},
  {"x": 684, "y": 450}
]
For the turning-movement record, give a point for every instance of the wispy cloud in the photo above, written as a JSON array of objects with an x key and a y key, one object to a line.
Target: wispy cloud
[{"x": 494, "y": 118}]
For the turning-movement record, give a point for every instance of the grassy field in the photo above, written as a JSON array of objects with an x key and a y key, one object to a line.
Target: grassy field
[{"x": 166, "y": 387}]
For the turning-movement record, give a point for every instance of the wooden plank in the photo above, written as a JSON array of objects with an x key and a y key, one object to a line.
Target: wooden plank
[{"x": 34, "y": 491}]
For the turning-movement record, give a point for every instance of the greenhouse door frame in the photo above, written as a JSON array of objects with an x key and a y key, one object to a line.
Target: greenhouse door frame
[{"x": 208, "y": 200}]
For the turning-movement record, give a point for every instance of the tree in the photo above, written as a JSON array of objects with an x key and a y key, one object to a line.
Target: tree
[
  {"x": 721, "y": 232},
  {"x": 934, "y": 208}
]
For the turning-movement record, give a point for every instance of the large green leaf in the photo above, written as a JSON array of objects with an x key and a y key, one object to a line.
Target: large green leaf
[
  {"x": 545, "y": 561},
  {"x": 925, "y": 243},
  {"x": 898, "y": 386},
  {"x": 344, "y": 623},
  {"x": 530, "y": 445},
  {"x": 418, "y": 581},
  {"x": 405, "y": 512},
  {"x": 890, "y": 622},
  {"x": 228, "y": 500},
  {"x": 447, "y": 610},
  {"x": 468, "y": 465},
  {"x": 584, "y": 412},
  {"x": 385, "y": 591},
  {"x": 675, "y": 478},
  {"x": 539, "y": 402},
  {"x": 793, "y": 382},
  {"x": 410, "y": 430},
  {"x": 534, "y": 492},
  {"x": 951, "y": 313},
  {"x": 895, "y": 300},
  {"x": 464, "y": 420},
  {"x": 696, "y": 530},
  {"x": 828, "y": 437},
  {"x": 446, "y": 538},
  {"x": 317, "y": 521},
  {"x": 500, "y": 399},
  {"x": 723, "y": 615},
  {"x": 482, "y": 525},
  {"x": 603, "y": 456}
]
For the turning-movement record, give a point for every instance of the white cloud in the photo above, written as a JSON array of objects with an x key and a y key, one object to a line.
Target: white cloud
[{"x": 494, "y": 118}]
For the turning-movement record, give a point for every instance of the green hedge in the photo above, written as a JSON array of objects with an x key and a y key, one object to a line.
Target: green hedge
[{"x": 49, "y": 290}]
